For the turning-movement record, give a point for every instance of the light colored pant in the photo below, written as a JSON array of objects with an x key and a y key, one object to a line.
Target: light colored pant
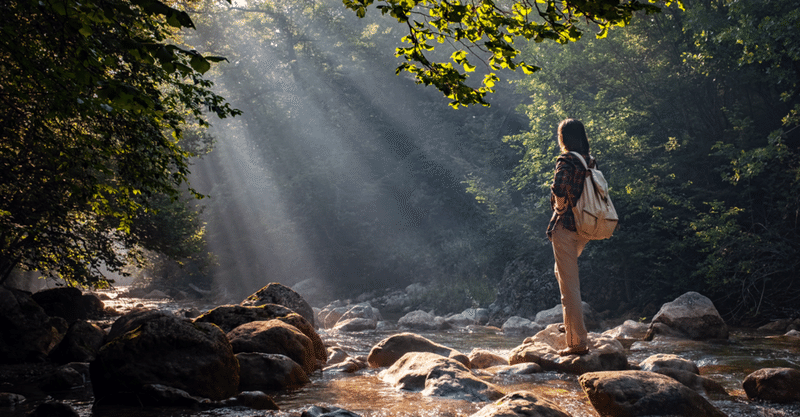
[{"x": 567, "y": 247}]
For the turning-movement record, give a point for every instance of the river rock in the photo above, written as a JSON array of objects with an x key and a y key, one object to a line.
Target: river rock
[
  {"x": 628, "y": 332},
  {"x": 521, "y": 404},
  {"x": 776, "y": 326},
  {"x": 780, "y": 385},
  {"x": 156, "y": 295},
  {"x": 659, "y": 361},
  {"x": 605, "y": 353},
  {"x": 357, "y": 318},
  {"x": 349, "y": 365},
  {"x": 556, "y": 315},
  {"x": 362, "y": 311},
  {"x": 467, "y": 317},
  {"x": 64, "y": 378},
  {"x": 336, "y": 355},
  {"x": 642, "y": 393},
  {"x": 331, "y": 313},
  {"x": 437, "y": 376},
  {"x": 11, "y": 400},
  {"x": 422, "y": 320},
  {"x": 275, "y": 336},
  {"x": 80, "y": 343},
  {"x": 158, "y": 395},
  {"x": 275, "y": 293},
  {"x": 269, "y": 372},
  {"x": 151, "y": 347},
  {"x": 69, "y": 303},
  {"x": 256, "y": 400},
  {"x": 355, "y": 324},
  {"x": 482, "y": 359},
  {"x": 682, "y": 370},
  {"x": 526, "y": 368},
  {"x": 28, "y": 334},
  {"x": 229, "y": 317},
  {"x": 521, "y": 325},
  {"x": 692, "y": 315},
  {"x": 327, "y": 411},
  {"x": 389, "y": 350}
]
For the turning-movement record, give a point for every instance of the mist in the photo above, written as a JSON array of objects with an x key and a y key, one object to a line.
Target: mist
[{"x": 338, "y": 171}]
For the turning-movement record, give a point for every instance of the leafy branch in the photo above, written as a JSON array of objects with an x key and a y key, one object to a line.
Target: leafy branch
[{"x": 489, "y": 28}]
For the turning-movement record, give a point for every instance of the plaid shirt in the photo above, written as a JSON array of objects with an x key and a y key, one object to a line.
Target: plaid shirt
[{"x": 566, "y": 190}]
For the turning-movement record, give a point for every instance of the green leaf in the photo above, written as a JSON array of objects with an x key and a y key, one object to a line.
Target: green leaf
[{"x": 200, "y": 64}]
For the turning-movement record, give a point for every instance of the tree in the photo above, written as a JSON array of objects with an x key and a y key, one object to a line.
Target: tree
[
  {"x": 96, "y": 98},
  {"x": 691, "y": 116},
  {"x": 487, "y": 29}
]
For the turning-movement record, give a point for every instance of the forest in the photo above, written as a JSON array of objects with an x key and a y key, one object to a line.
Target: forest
[{"x": 321, "y": 151}]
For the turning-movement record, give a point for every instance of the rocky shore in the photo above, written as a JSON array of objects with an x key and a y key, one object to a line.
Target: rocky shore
[{"x": 241, "y": 355}]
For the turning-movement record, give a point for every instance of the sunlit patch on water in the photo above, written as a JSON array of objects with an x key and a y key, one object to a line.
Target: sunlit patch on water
[{"x": 364, "y": 393}]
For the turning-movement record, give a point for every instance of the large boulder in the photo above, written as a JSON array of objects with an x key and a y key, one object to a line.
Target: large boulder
[
  {"x": 691, "y": 315},
  {"x": 69, "y": 303},
  {"x": 28, "y": 334},
  {"x": 522, "y": 404},
  {"x": 642, "y": 393},
  {"x": 269, "y": 372},
  {"x": 437, "y": 376},
  {"x": 151, "y": 347},
  {"x": 80, "y": 344},
  {"x": 275, "y": 336},
  {"x": 229, "y": 317},
  {"x": 780, "y": 385},
  {"x": 275, "y": 293},
  {"x": 389, "y": 350},
  {"x": 605, "y": 353}
]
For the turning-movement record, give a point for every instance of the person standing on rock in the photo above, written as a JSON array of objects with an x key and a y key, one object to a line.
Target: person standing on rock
[{"x": 567, "y": 245}]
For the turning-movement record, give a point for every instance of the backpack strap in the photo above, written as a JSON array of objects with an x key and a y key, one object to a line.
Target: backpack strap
[{"x": 583, "y": 161}]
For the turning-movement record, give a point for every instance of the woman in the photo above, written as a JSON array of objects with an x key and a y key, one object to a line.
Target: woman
[{"x": 567, "y": 245}]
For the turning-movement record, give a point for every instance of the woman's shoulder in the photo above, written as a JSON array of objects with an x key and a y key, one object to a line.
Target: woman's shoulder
[{"x": 571, "y": 159}]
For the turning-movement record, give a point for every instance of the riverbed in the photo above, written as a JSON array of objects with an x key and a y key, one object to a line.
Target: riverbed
[{"x": 726, "y": 362}]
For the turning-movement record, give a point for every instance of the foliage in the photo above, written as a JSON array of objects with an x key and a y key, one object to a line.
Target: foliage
[
  {"x": 487, "y": 29},
  {"x": 95, "y": 98},
  {"x": 691, "y": 117}
]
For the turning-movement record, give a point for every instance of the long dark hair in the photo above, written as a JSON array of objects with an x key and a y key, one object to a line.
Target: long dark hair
[{"x": 572, "y": 137}]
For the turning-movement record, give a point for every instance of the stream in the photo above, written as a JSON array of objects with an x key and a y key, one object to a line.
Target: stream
[{"x": 726, "y": 362}]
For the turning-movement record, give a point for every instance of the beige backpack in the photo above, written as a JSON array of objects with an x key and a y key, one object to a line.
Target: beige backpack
[{"x": 595, "y": 216}]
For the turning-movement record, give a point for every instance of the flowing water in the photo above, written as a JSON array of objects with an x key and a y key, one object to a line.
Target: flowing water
[{"x": 364, "y": 393}]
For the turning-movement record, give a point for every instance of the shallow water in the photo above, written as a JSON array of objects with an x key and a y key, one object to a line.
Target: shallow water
[{"x": 726, "y": 362}]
